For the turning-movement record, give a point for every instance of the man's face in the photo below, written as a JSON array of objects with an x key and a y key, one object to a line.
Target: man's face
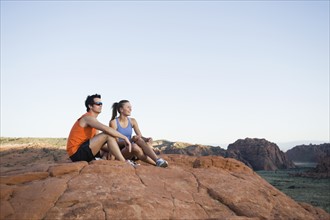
[{"x": 97, "y": 105}]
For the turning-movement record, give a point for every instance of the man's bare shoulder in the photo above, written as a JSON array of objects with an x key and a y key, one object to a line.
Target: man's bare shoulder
[{"x": 87, "y": 120}]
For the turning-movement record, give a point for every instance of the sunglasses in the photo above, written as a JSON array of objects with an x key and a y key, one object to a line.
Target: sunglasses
[{"x": 98, "y": 103}]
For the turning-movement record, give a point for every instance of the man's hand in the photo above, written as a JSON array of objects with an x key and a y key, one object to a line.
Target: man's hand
[{"x": 128, "y": 144}]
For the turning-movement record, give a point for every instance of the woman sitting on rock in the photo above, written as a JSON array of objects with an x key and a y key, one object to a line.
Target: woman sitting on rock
[{"x": 141, "y": 146}]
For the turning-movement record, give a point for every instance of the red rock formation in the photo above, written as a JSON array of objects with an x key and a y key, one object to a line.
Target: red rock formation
[
  {"x": 210, "y": 187},
  {"x": 259, "y": 154}
]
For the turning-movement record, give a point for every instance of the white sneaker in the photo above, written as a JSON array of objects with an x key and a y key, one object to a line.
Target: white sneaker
[
  {"x": 98, "y": 158},
  {"x": 161, "y": 163}
]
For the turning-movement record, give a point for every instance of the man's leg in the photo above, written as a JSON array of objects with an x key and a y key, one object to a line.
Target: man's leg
[
  {"x": 114, "y": 148},
  {"x": 99, "y": 140}
]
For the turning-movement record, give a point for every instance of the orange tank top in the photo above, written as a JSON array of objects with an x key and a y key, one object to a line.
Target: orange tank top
[{"x": 78, "y": 135}]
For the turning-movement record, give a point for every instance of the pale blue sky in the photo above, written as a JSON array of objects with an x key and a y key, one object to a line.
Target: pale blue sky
[{"x": 207, "y": 72}]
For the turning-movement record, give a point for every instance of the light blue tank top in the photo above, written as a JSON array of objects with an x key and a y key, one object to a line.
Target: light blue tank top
[{"x": 125, "y": 131}]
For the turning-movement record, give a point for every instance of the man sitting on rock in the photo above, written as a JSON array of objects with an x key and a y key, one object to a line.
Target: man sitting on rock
[{"x": 84, "y": 142}]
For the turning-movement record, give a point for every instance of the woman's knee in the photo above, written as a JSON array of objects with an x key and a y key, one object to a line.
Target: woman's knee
[
  {"x": 140, "y": 141},
  {"x": 136, "y": 149},
  {"x": 138, "y": 152}
]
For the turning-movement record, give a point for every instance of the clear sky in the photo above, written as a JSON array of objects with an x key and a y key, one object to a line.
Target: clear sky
[{"x": 206, "y": 72}]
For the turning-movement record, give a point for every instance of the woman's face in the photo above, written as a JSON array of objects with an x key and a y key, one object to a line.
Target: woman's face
[{"x": 126, "y": 109}]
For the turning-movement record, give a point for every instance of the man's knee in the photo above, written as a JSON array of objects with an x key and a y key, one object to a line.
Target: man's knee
[
  {"x": 102, "y": 136},
  {"x": 111, "y": 138},
  {"x": 107, "y": 137}
]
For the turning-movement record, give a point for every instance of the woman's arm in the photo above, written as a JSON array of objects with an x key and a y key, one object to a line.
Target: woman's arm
[
  {"x": 138, "y": 132},
  {"x": 136, "y": 127}
]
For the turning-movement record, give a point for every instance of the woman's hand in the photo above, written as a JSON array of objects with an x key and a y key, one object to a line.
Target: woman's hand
[
  {"x": 148, "y": 140},
  {"x": 136, "y": 138}
]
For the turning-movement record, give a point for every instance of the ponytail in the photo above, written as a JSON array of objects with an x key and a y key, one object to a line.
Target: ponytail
[{"x": 114, "y": 110}]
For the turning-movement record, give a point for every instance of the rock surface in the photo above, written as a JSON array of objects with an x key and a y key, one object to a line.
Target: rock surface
[{"x": 208, "y": 187}]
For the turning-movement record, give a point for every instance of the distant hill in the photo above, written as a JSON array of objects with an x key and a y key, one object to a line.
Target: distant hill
[
  {"x": 311, "y": 153},
  {"x": 285, "y": 146},
  {"x": 168, "y": 147},
  {"x": 259, "y": 154},
  {"x": 28, "y": 140}
]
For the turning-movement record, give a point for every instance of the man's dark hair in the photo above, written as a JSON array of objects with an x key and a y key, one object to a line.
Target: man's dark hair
[{"x": 90, "y": 100}]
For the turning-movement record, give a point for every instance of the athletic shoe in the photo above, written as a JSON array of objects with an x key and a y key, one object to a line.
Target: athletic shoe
[
  {"x": 132, "y": 163},
  {"x": 161, "y": 163},
  {"x": 135, "y": 163},
  {"x": 98, "y": 158}
]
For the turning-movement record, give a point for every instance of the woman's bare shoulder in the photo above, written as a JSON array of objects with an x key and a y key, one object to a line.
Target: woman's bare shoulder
[{"x": 133, "y": 120}]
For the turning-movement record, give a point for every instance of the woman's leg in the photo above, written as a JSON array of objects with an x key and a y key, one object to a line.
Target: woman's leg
[
  {"x": 147, "y": 149},
  {"x": 138, "y": 152},
  {"x": 126, "y": 153}
]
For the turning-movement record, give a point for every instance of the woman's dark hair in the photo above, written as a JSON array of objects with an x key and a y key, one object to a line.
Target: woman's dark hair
[
  {"x": 90, "y": 100},
  {"x": 116, "y": 106}
]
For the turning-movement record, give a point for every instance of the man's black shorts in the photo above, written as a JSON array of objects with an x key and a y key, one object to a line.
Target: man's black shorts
[{"x": 84, "y": 153}]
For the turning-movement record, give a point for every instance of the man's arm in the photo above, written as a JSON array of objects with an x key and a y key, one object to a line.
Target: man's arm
[{"x": 94, "y": 123}]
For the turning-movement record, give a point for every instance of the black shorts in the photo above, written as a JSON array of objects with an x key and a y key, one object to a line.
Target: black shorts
[{"x": 84, "y": 153}]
